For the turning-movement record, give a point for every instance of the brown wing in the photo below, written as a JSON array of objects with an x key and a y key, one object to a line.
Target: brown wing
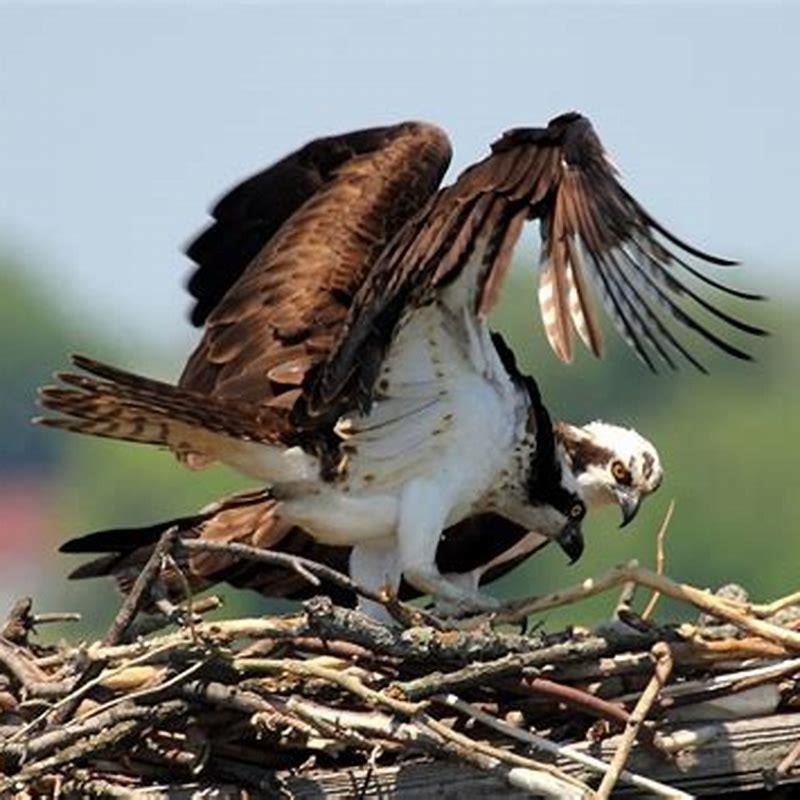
[
  {"x": 277, "y": 271},
  {"x": 592, "y": 231},
  {"x": 245, "y": 518},
  {"x": 289, "y": 250},
  {"x": 251, "y": 213}
]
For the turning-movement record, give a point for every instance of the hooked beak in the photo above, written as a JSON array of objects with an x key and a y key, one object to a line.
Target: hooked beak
[
  {"x": 570, "y": 540},
  {"x": 629, "y": 502}
]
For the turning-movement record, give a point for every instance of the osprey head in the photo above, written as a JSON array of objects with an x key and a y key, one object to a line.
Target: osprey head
[{"x": 611, "y": 464}]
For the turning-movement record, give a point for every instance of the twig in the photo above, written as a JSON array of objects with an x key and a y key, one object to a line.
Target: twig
[
  {"x": 124, "y": 617},
  {"x": 310, "y": 570},
  {"x": 577, "y": 698},
  {"x": 26, "y": 672},
  {"x": 101, "y": 740},
  {"x": 766, "y": 610},
  {"x": 727, "y": 683},
  {"x": 786, "y": 765},
  {"x": 55, "y": 616},
  {"x": 305, "y": 568},
  {"x": 46, "y": 743},
  {"x": 565, "y": 751},
  {"x": 661, "y": 674},
  {"x": 478, "y": 673},
  {"x": 17, "y": 623},
  {"x": 73, "y": 698},
  {"x": 625, "y": 599},
  {"x": 308, "y": 669},
  {"x": 135, "y": 599},
  {"x": 660, "y": 559},
  {"x": 631, "y": 571},
  {"x": 536, "y": 777},
  {"x": 175, "y": 680}
]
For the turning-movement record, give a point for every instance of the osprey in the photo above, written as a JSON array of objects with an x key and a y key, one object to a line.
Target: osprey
[
  {"x": 609, "y": 464},
  {"x": 346, "y": 360}
]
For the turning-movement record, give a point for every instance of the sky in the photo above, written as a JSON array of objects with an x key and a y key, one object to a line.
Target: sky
[{"x": 120, "y": 123}]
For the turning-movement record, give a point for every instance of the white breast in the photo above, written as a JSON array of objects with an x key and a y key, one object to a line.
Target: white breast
[{"x": 445, "y": 411}]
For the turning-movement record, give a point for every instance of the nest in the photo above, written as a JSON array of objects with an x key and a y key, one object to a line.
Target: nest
[{"x": 327, "y": 702}]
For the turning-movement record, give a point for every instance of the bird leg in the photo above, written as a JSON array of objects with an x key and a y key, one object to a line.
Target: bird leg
[
  {"x": 375, "y": 565},
  {"x": 422, "y": 516}
]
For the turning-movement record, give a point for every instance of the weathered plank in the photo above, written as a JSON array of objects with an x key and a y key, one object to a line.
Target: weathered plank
[{"x": 727, "y": 757}]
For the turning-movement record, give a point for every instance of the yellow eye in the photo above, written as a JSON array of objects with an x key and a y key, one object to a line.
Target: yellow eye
[
  {"x": 620, "y": 472},
  {"x": 577, "y": 511}
]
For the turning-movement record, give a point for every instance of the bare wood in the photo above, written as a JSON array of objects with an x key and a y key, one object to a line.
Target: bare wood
[
  {"x": 565, "y": 751},
  {"x": 662, "y": 672},
  {"x": 733, "y": 756},
  {"x": 705, "y": 601},
  {"x": 660, "y": 559}
]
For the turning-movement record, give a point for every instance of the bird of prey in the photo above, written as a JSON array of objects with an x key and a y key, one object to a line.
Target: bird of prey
[
  {"x": 346, "y": 360},
  {"x": 472, "y": 552}
]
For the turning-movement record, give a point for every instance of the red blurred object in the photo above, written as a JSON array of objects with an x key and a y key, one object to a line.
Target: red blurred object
[{"x": 27, "y": 515}]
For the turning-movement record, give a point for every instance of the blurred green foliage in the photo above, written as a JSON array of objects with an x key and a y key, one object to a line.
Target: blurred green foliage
[{"x": 727, "y": 440}]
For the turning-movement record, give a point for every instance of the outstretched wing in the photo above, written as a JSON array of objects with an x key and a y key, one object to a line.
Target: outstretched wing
[
  {"x": 276, "y": 274},
  {"x": 593, "y": 232},
  {"x": 289, "y": 248}
]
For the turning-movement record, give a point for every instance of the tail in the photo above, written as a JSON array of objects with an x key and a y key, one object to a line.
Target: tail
[
  {"x": 247, "y": 518},
  {"x": 121, "y": 405}
]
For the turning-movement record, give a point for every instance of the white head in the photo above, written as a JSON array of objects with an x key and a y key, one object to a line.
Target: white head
[{"x": 611, "y": 465}]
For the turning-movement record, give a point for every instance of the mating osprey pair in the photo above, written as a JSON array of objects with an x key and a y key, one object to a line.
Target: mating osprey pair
[{"x": 346, "y": 361}]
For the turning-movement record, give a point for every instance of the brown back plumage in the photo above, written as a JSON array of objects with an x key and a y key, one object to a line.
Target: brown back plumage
[{"x": 279, "y": 317}]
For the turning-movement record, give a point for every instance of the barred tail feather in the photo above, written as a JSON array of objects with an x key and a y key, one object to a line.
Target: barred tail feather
[{"x": 121, "y": 405}]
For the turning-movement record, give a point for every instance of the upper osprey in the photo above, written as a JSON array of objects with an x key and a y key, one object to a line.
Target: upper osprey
[{"x": 346, "y": 358}]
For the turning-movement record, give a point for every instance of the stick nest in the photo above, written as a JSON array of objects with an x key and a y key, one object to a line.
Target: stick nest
[{"x": 325, "y": 701}]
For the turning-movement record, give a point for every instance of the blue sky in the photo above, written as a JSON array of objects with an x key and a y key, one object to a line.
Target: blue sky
[{"x": 120, "y": 123}]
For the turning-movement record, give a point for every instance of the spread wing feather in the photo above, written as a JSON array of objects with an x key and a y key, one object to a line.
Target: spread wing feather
[
  {"x": 276, "y": 273},
  {"x": 593, "y": 232},
  {"x": 247, "y": 217},
  {"x": 280, "y": 311}
]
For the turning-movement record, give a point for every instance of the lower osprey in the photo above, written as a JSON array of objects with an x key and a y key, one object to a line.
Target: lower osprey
[
  {"x": 346, "y": 359},
  {"x": 609, "y": 465}
]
